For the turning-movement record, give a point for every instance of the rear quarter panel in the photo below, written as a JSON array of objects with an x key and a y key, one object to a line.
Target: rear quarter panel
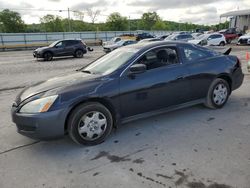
[{"x": 203, "y": 72}]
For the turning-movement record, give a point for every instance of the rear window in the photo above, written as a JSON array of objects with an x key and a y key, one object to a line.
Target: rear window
[{"x": 193, "y": 53}]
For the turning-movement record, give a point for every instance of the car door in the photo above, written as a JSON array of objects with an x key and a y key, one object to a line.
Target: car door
[
  {"x": 201, "y": 70},
  {"x": 69, "y": 47},
  {"x": 58, "y": 49},
  {"x": 162, "y": 85}
]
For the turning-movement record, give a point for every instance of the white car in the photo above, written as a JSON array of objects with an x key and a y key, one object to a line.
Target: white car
[
  {"x": 109, "y": 48},
  {"x": 112, "y": 41},
  {"x": 245, "y": 39},
  {"x": 214, "y": 39}
]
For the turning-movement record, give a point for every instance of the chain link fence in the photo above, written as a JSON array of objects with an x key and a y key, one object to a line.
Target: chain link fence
[{"x": 29, "y": 40}]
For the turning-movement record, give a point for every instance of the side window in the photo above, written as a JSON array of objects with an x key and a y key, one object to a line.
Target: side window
[
  {"x": 217, "y": 36},
  {"x": 159, "y": 57},
  {"x": 193, "y": 54},
  {"x": 59, "y": 44}
]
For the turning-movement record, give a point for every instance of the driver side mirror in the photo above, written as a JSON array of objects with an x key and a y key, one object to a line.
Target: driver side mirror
[{"x": 138, "y": 69}]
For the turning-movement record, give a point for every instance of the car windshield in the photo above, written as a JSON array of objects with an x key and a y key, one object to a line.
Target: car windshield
[
  {"x": 202, "y": 37},
  {"x": 53, "y": 44},
  {"x": 110, "y": 62},
  {"x": 120, "y": 42},
  {"x": 170, "y": 37}
]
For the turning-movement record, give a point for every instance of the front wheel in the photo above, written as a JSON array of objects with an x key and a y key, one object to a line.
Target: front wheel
[
  {"x": 48, "y": 56},
  {"x": 218, "y": 94},
  {"x": 222, "y": 43},
  {"x": 90, "y": 124}
]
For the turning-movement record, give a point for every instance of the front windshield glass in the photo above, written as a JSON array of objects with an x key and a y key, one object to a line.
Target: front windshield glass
[
  {"x": 170, "y": 37},
  {"x": 110, "y": 62},
  {"x": 202, "y": 37},
  {"x": 53, "y": 44},
  {"x": 120, "y": 42}
]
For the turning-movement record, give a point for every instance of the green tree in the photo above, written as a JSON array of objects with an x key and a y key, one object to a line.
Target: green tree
[
  {"x": 116, "y": 22},
  {"x": 159, "y": 25},
  {"x": 52, "y": 23},
  {"x": 11, "y": 21},
  {"x": 148, "y": 20}
]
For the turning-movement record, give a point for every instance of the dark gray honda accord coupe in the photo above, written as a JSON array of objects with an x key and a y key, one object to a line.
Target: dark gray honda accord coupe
[{"x": 129, "y": 83}]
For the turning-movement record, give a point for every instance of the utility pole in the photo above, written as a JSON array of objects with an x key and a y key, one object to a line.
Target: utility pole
[
  {"x": 69, "y": 20},
  {"x": 129, "y": 23}
]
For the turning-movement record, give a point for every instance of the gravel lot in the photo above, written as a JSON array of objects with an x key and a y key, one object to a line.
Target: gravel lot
[{"x": 194, "y": 147}]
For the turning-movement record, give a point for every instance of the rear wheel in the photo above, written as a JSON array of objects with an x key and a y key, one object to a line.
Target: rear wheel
[
  {"x": 78, "y": 54},
  {"x": 48, "y": 56},
  {"x": 218, "y": 94},
  {"x": 222, "y": 43},
  {"x": 90, "y": 124}
]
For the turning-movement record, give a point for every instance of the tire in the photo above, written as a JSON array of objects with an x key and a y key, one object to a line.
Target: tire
[
  {"x": 218, "y": 94},
  {"x": 78, "y": 54},
  {"x": 222, "y": 43},
  {"x": 48, "y": 56},
  {"x": 90, "y": 124}
]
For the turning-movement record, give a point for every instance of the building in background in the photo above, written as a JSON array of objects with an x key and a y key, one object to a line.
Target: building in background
[{"x": 239, "y": 19}]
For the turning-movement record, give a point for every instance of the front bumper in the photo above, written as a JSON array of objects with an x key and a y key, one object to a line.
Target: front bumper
[
  {"x": 107, "y": 50},
  {"x": 42, "y": 126},
  {"x": 37, "y": 55},
  {"x": 244, "y": 41}
]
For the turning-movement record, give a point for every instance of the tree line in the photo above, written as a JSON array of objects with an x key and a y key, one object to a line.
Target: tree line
[{"x": 11, "y": 22}]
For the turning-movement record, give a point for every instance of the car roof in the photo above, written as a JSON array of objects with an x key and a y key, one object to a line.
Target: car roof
[{"x": 145, "y": 46}]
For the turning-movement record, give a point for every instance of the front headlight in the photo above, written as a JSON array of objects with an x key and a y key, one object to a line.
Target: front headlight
[{"x": 39, "y": 105}]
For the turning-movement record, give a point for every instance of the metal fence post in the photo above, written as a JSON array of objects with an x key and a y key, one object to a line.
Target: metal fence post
[
  {"x": 46, "y": 36},
  {"x": 2, "y": 42},
  {"x": 25, "y": 42}
]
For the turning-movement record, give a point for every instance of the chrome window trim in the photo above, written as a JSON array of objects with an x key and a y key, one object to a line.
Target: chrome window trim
[{"x": 180, "y": 62}]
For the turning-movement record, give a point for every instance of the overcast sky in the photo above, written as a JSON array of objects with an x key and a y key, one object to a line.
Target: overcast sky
[{"x": 195, "y": 11}]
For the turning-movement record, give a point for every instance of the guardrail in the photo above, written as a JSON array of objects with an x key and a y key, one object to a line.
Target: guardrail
[{"x": 29, "y": 40}]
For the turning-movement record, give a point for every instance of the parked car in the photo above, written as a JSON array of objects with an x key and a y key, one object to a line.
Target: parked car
[
  {"x": 196, "y": 35},
  {"x": 214, "y": 39},
  {"x": 69, "y": 47},
  {"x": 179, "y": 37},
  {"x": 162, "y": 37},
  {"x": 245, "y": 39},
  {"x": 150, "y": 40},
  {"x": 109, "y": 48},
  {"x": 112, "y": 41},
  {"x": 144, "y": 36},
  {"x": 230, "y": 34},
  {"x": 119, "y": 38},
  {"x": 132, "y": 82}
]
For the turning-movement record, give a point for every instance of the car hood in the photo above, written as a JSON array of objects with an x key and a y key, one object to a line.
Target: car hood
[
  {"x": 196, "y": 41},
  {"x": 59, "y": 82},
  {"x": 42, "y": 48}
]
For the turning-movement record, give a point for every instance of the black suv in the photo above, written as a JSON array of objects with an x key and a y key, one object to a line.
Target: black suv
[{"x": 75, "y": 47}]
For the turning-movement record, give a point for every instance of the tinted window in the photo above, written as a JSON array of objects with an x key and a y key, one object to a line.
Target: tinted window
[
  {"x": 71, "y": 42},
  {"x": 60, "y": 44},
  {"x": 193, "y": 54},
  {"x": 159, "y": 57}
]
